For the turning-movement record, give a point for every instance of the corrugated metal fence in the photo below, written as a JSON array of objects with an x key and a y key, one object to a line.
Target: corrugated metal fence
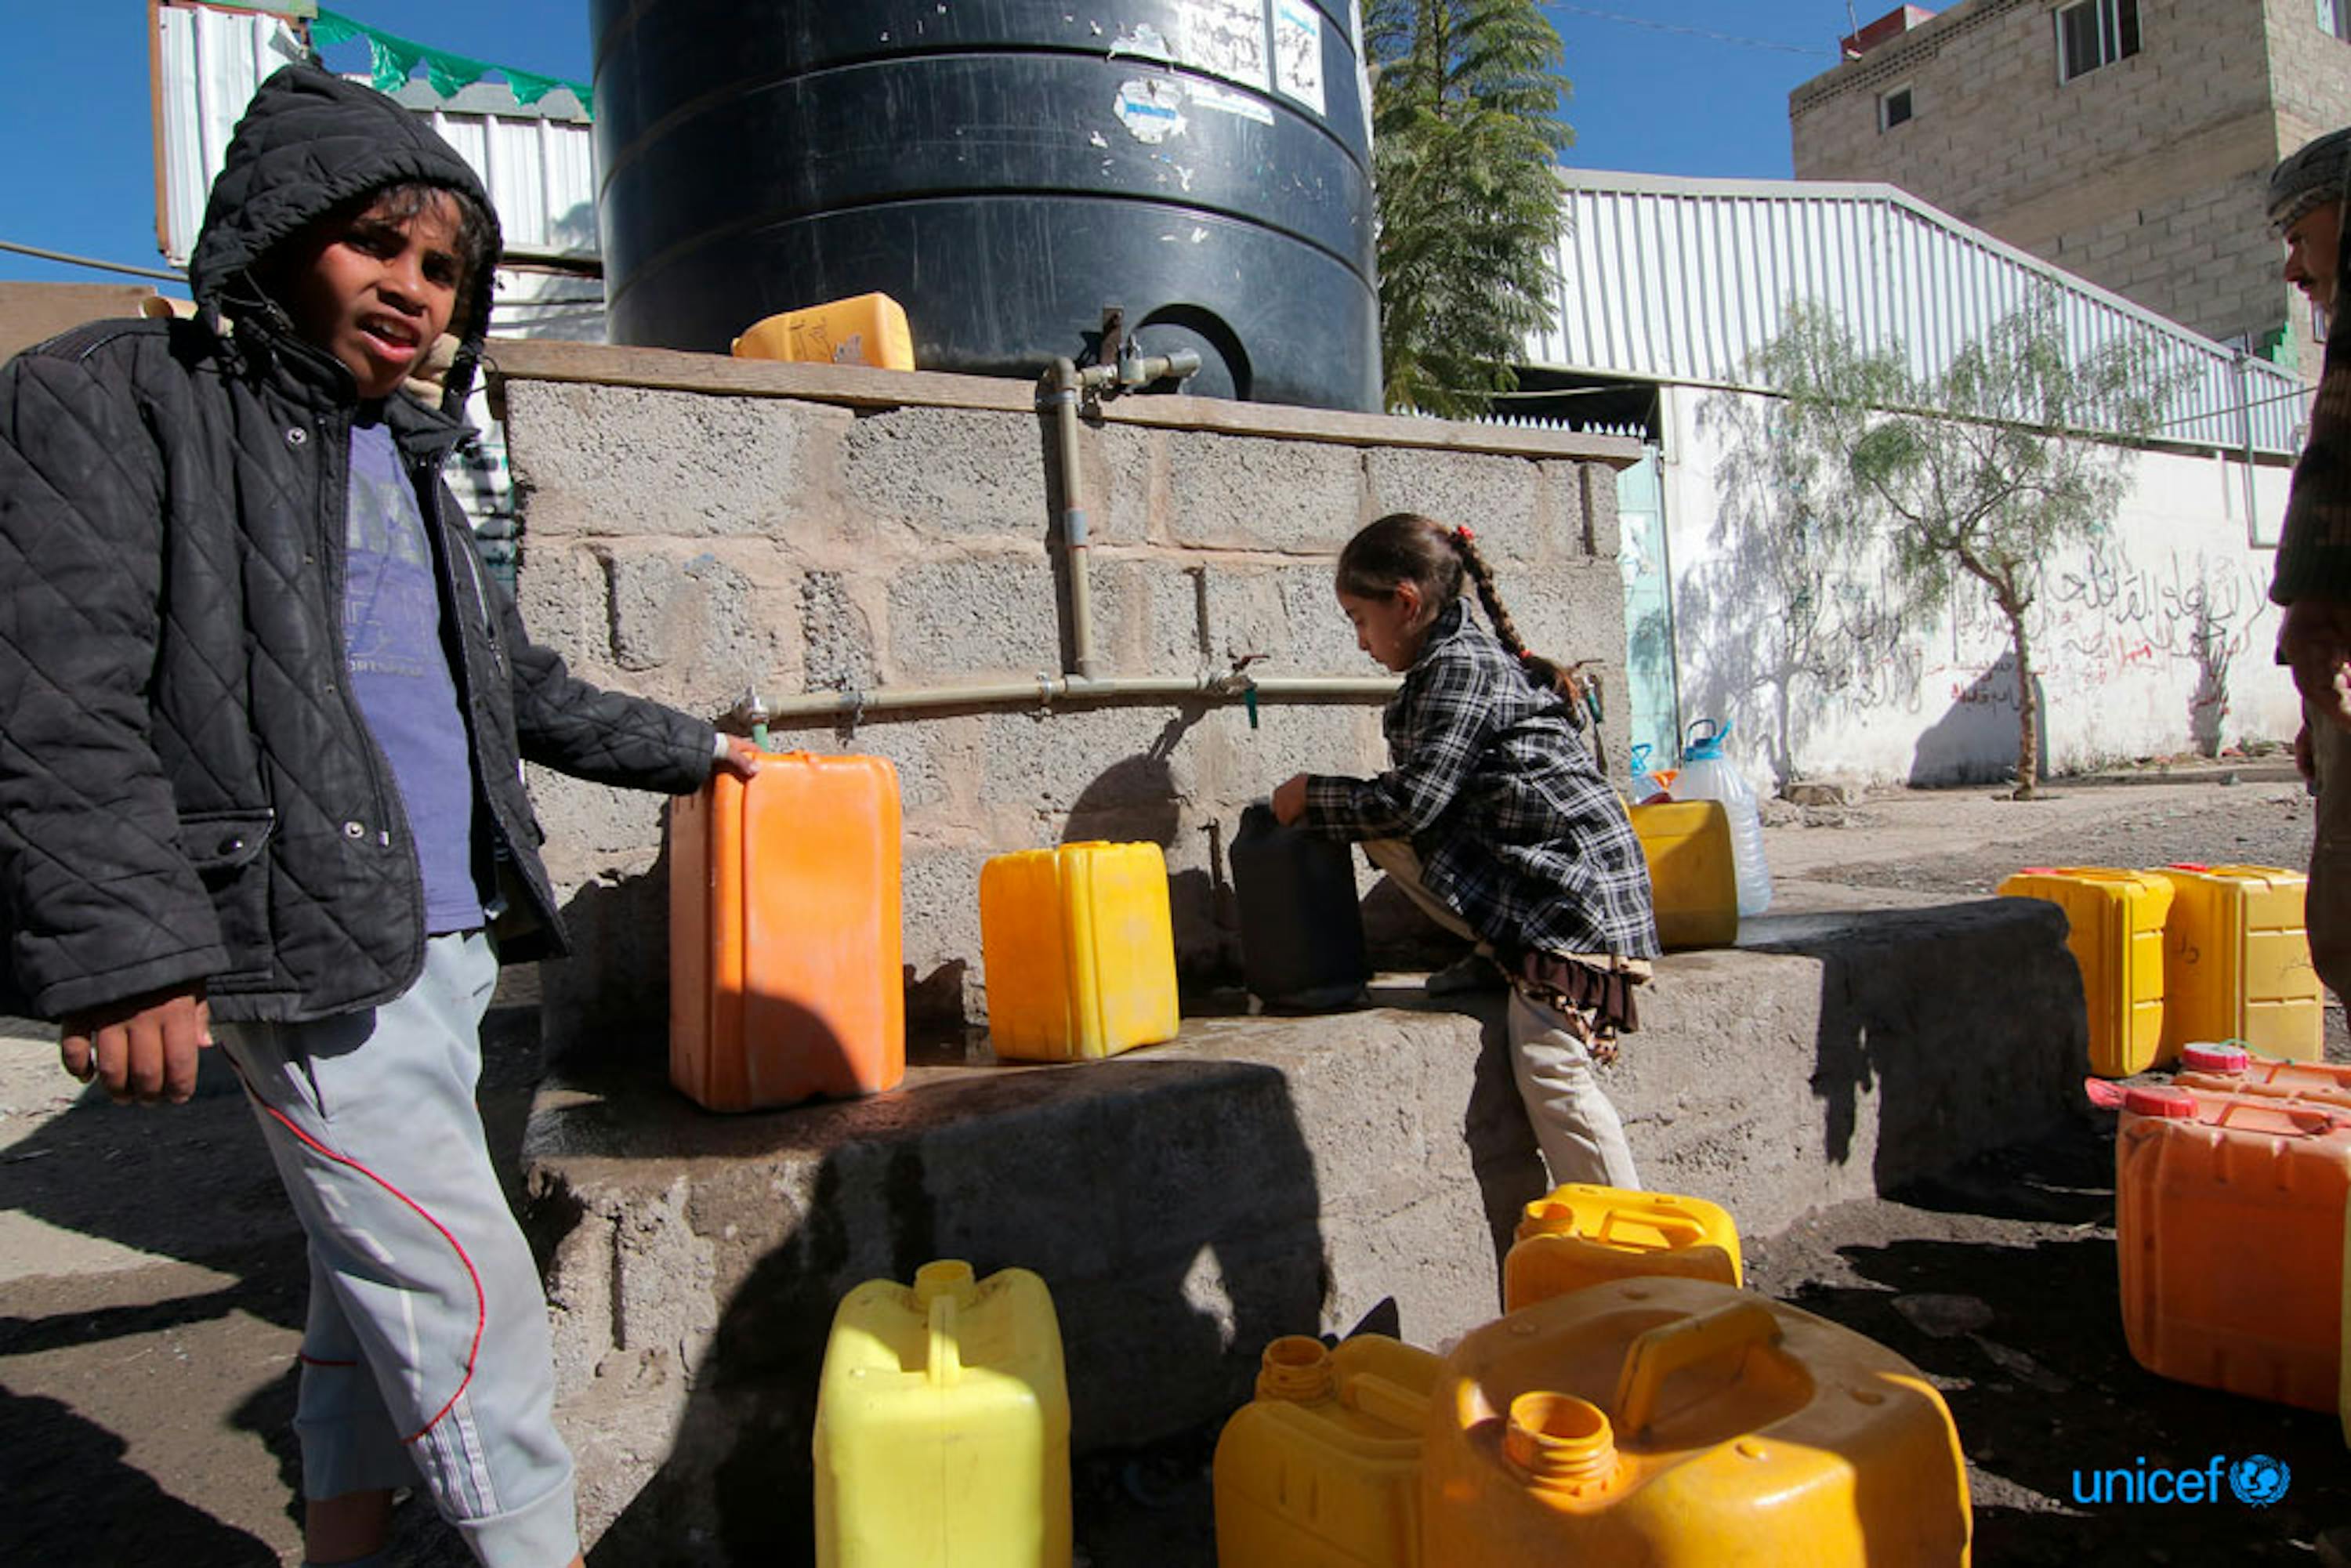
[{"x": 1682, "y": 280}]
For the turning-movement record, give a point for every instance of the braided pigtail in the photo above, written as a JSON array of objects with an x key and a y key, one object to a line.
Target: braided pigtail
[{"x": 1540, "y": 670}]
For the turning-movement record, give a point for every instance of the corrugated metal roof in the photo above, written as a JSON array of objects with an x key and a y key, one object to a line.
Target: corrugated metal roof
[
  {"x": 1675, "y": 280},
  {"x": 207, "y": 63},
  {"x": 537, "y": 161}
]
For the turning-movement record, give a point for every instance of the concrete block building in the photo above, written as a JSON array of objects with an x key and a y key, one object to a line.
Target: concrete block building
[{"x": 2128, "y": 142}]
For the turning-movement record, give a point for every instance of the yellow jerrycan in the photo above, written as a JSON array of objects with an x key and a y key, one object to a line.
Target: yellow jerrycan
[
  {"x": 2114, "y": 931},
  {"x": 1693, "y": 877},
  {"x": 2236, "y": 962},
  {"x": 1079, "y": 951},
  {"x": 1684, "y": 1424},
  {"x": 868, "y": 329},
  {"x": 1580, "y": 1235},
  {"x": 943, "y": 1426},
  {"x": 1322, "y": 1468}
]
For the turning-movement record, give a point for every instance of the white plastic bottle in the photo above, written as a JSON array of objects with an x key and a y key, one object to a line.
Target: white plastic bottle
[{"x": 1708, "y": 775}]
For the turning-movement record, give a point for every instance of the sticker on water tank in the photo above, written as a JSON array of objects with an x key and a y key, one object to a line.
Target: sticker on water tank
[
  {"x": 1151, "y": 107},
  {"x": 1224, "y": 37},
  {"x": 1146, "y": 43},
  {"x": 1224, "y": 102},
  {"x": 1298, "y": 52}
]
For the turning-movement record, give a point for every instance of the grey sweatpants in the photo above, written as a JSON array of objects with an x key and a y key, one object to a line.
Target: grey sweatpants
[
  {"x": 426, "y": 1358},
  {"x": 1575, "y": 1125}
]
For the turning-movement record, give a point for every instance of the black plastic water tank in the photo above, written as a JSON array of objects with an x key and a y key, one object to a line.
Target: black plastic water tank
[{"x": 1004, "y": 169}]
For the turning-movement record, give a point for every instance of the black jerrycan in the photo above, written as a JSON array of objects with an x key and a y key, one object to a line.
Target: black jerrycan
[{"x": 1302, "y": 932}]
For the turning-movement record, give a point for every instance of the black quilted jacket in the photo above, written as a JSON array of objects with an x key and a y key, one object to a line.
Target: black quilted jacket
[{"x": 187, "y": 793}]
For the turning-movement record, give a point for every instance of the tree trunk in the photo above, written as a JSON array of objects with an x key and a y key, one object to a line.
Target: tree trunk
[{"x": 2028, "y": 707}]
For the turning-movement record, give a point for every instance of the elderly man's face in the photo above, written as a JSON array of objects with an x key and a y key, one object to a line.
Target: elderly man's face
[{"x": 2311, "y": 246}]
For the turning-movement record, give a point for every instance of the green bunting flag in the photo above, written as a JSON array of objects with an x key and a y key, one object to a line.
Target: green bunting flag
[{"x": 392, "y": 60}]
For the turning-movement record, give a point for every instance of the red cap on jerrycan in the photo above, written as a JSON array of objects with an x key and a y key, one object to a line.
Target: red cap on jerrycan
[
  {"x": 2148, "y": 1100},
  {"x": 2205, "y": 1057}
]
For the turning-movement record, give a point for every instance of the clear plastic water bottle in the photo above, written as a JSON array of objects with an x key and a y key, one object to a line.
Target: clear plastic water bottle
[
  {"x": 1708, "y": 775},
  {"x": 1644, "y": 783}
]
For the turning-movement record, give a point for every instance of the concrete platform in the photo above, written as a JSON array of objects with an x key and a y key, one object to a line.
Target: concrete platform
[{"x": 1258, "y": 1177}]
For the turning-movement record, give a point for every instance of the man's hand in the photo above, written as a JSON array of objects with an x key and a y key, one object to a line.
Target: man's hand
[
  {"x": 2315, "y": 643},
  {"x": 1289, "y": 801},
  {"x": 2301, "y": 760},
  {"x": 741, "y": 758},
  {"x": 142, "y": 1047}
]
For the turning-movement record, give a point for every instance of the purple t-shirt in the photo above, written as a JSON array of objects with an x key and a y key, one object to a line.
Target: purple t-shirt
[{"x": 400, "y": 674}]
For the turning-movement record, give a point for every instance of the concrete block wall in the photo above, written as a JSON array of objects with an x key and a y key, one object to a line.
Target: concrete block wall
[
  {"x": 696, "y": 526},
  {"x": 2145, "y": 176}
]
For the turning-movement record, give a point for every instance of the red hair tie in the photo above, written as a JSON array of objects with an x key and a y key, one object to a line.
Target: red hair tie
[{"x": 1463, "y": 535}]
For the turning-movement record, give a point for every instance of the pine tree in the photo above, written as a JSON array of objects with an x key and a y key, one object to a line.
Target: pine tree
[{"x": 1465, "y": 139}]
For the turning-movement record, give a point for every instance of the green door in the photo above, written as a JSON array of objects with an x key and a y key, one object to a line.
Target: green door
[{"x": 1649, "y": 681}]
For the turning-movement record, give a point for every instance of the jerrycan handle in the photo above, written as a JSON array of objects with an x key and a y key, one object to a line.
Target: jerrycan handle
[
  {"x": 1673, "y": 1229},
  {"x": 943, "y": 1367},
  {"x": 939, "y": 1288},
  {"x": 1385, "y": 1399},
  {"x": 1673, "y": 1348}
]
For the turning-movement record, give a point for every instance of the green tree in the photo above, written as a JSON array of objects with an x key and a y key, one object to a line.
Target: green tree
[
  {"x": 1982, "y": 472},
  {"x": 1465, "y": 135}
]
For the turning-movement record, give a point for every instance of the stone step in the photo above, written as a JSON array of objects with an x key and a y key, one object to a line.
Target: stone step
[{"x": 1256, "y": 1177}]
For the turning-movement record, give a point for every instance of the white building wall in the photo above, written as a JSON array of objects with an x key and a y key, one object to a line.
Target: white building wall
[{"x": 2155, "y": 642}]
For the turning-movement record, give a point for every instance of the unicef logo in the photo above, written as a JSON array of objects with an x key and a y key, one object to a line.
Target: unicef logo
[{"x": 2259, "y": 1480}]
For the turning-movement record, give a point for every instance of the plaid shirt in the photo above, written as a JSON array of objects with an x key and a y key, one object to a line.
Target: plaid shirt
[{"x": 1503, "y": 801}]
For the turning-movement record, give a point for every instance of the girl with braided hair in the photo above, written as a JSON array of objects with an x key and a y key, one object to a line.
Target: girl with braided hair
[{"x": 1495, "y": 818}]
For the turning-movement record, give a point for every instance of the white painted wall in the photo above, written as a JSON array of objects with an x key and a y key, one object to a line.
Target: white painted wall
[{"x": 2155, "y": 642}]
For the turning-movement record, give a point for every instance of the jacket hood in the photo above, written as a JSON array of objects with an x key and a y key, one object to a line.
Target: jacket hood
[{"x": 309, "y": 143}]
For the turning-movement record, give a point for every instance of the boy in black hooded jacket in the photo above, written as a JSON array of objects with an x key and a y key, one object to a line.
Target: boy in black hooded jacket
[{"x": 262, "y": 723}]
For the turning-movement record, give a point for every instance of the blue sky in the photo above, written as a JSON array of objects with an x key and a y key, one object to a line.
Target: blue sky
[{"x": 1675, "y": 87}]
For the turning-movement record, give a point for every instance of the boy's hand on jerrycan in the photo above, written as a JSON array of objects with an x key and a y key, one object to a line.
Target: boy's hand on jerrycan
[
  {"x": 141, "y": 1048},
  {"x": 741, "y": 758}
]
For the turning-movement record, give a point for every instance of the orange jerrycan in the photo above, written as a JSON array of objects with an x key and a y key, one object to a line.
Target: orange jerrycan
[
  {"x": 784, "y": 978},
  {"x": 2227, "y": 1068},
  {"x": 943, "y": 1426},
  {"x": 2236, "y": 961},
  {"x": 1079, "y": 950},
  {"x": 868, "y": 329},
  {"x": 1322, "y": 1469},
  {"x": 1582, "y": 1235},
  {"x": 1684, "y": 1424},
  {"x": 1692, "y": 875},
  {"x": 2115, "y": 935},
  {"x": 2228, "y": 1216}
]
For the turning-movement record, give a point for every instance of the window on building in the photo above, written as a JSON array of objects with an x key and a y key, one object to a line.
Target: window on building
[
  {"x": 2093, "y": 33},
  {"x": 1894, "y": 107},
  {"x": 2334, "y": 16}
]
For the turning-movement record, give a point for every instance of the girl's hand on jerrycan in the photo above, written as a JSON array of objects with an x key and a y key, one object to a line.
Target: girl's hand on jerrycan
[{"x": 1289, "y": 801}]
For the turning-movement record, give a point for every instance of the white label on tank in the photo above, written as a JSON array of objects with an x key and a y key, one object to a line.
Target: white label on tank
[
  {"x": 1224, "y": 37},
  {"x": 1151, "y": 107},
  {"x": 1298, "y": 52},
  {"x": 1204, "y": 96}
]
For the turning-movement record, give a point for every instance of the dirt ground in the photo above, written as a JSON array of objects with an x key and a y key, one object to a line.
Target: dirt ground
[{"x": 154, "y": 1284}]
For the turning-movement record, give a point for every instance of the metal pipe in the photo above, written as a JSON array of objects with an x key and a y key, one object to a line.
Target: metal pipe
[
  {"x": 1059, "y": 390},
  {"x": 1062, "y": 383},
  {"x": 1044, "y": 690}
]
